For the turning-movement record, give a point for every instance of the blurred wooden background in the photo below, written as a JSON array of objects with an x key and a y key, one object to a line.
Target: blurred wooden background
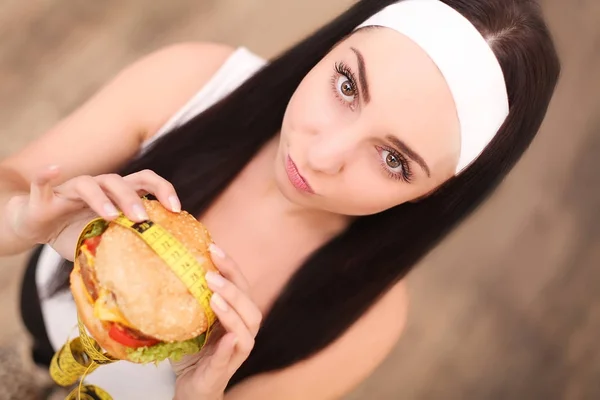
[{"x": 507, "y": 308}]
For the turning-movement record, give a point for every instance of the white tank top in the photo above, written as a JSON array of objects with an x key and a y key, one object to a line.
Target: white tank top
[{"x": 124, "y": 380}]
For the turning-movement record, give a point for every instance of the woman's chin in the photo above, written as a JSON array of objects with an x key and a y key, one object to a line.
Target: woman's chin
[{"x": 293, "y": 196}]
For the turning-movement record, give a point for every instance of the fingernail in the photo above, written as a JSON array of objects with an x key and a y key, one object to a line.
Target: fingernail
[
  {"x": 140, "y": 213},
  {"x": 218, "y": 302},
  {"x": 215, "y": 279},
  {"x": 110, "y": 210},
  {"x": 216, "y": 250},
  {"x": 234, "y": 342},
  {"x": 52, "y": 167},
  {"x": 175, "y": 204}
]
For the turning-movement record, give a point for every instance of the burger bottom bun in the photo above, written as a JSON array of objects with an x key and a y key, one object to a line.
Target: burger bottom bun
[{"x": 93, "y": 325}]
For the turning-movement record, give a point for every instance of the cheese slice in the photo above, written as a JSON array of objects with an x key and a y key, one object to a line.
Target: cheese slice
[
  {"x": 106, "y": 310},
  {"x": 88, "y": 254}
]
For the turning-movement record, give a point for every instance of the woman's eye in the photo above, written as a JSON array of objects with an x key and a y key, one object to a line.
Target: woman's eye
[
  {"x": 346, "y": 89},
  {"x": 395, "y": 165},
  {"x": 391, "y": 160}
]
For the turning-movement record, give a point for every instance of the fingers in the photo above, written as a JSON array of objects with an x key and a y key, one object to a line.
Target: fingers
[
  {"x": 48, "y": 205},
  {"x": 124, "y": 196},
  {"x": 125, "y": 192},
  {"x": 228, "y": 297},
  {"x": 87, "y": 189},
  {"x": 41, "y": 190},
  {"x": 234, "y": 324},
  {"x": 236, "y": 313},
  {"x": 109, "y": 193},
  {"x": 218, "y": 369},
  {"x": 151, "y": 182},
  {"x": 185, "y": 364},
  {"x": 228, "y": 268},
  {"x": 222, "y": 356}
]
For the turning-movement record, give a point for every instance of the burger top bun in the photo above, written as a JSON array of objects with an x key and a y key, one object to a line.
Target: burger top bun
[{"x": 147, "y": 291}]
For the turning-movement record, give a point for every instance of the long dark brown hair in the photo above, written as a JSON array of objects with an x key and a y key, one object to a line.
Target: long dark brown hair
[{"x": 343, "y": 278}]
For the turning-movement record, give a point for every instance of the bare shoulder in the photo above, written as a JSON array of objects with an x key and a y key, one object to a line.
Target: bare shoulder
[
  {"x": 389, "y": 316},
  {"x": 176, "y": 73},
  {"x": 127, "y": 110},
  {"x": 343, "y": 365}
]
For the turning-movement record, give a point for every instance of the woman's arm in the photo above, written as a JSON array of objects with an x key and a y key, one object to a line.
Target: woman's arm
[
  {"x": 337, "y": 370},
  {"x": 108, "y": 130}
]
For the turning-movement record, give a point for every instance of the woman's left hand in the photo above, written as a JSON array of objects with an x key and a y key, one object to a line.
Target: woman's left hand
[{"x": 205, "y": 375}]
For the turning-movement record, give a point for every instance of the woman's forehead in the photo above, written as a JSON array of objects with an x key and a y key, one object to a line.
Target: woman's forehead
[
  {"x": 407, "y": 92},
  {"x": 398, "y": 68}
]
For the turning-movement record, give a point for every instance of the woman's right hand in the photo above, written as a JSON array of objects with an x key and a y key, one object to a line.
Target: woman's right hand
[{"x": 40, "y": 216}]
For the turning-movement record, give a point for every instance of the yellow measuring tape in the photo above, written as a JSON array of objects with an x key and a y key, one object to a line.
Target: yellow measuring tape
[
  {"x": 176, "y": 256},
  {"x": 82, "y": 355},
  {"x": 88, "y": 392}
]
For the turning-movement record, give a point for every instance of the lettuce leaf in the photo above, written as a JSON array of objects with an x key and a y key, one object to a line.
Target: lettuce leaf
[
  {"x": 96, "y": 229},
  {"x": 164, "y": 350}
]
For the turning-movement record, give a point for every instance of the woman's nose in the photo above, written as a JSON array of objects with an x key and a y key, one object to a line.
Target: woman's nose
[{"x": 329, "y": 153}]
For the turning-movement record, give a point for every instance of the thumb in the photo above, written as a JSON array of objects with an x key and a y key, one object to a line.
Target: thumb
[
  {"x": 218, "y": 365},
  {"x": 185, "y": 364},
  {"x": 41, "y": 191},
  {"x": 14, "y": 214}
]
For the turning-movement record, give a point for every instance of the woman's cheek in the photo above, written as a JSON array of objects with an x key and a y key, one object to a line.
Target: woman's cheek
[
  {"x": 317, "y": 112},
  {"x": 367, "y": 192}
]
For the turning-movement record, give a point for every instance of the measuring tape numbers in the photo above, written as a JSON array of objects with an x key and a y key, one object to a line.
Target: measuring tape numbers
[{"x": 181, "y": 261}]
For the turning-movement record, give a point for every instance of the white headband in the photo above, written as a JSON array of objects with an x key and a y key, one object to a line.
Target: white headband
[{"x": 467, "y": 62}]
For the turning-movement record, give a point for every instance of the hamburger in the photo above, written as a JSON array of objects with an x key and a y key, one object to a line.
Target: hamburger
[{"x": 129, "y": 299}]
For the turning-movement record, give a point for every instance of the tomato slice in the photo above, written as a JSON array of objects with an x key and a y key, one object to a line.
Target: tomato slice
[
  {"x": 92, "y": 243},
  {"x": 119, "y": 335}
]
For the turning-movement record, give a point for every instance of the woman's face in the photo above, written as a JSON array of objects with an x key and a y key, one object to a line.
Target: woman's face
[{"x": 371, "y": 126}]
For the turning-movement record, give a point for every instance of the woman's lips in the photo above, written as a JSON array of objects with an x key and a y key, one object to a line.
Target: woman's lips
[{"x": 295, "y": 178}]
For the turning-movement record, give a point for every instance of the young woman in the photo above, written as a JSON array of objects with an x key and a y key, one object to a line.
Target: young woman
[{"x": 324, "y": 174}]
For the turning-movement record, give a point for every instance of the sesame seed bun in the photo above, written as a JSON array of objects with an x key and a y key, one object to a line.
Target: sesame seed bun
[{"x": 148, "y": 293}]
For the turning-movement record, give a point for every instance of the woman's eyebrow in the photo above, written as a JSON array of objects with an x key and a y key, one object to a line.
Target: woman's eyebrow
[
  {"x": 362, "y": 75},
  {"x": 410, "y": 153}
]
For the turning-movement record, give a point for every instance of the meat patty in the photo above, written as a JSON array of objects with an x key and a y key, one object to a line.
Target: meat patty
[{"x": 89, "y": 276}]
